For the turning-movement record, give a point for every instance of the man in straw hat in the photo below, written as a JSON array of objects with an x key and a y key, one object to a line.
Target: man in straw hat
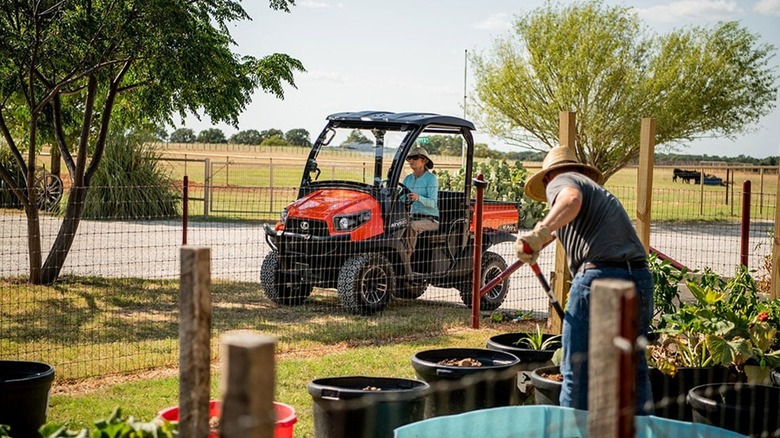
[
  {"x": 600, "y": 242},
  {"x": 425, "y": 197}
]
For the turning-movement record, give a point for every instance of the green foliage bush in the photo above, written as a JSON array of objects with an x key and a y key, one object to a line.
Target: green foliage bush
[
  {"x": 115, "y": 426},
  {"x": 7, "y": 197},
  {"x": 505, "y": 183},
  {"x": 129, "y": 184},
  {"x": 730, "y": 323}
]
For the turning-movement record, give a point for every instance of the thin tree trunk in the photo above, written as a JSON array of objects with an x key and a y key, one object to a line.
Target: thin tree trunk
[
  {"x": 67, "y": 232},
  {"x": 33, "y": 240}
]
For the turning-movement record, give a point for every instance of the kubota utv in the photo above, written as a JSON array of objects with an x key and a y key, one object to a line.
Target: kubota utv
[{"x": 346, "y": 228}]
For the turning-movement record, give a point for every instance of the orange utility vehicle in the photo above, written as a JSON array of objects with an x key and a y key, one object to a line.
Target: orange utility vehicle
[{"x": 346, "y": 228}]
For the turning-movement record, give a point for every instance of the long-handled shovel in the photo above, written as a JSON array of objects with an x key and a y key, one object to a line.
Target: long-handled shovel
[{"x": 545, "y": 285}]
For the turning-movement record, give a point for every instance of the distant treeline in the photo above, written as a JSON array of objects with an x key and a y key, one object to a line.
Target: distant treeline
[{"x": 665, "y": 159}]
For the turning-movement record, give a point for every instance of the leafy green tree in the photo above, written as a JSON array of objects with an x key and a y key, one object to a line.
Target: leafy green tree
[
  {"x": 73, "y": 69},
  {"x": 270, "y": 133},
  {"x": 183, "y": 135},
  {"x": 275, "y": 140},
  {"x": 603, "y": 63},
  {"x": 298, "y": 137},
  {"x": 212, "y": 135},
  {"x": 250, "y": 136},
  {"x": 356, "y": 137},
  {"x": 445, "y": 145}
]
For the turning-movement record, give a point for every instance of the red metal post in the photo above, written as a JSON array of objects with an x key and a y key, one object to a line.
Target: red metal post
[
  {"x": 185, "y": 201},
  {"x": 744, "y": 239},
  {"x": 480, "y": 184}
]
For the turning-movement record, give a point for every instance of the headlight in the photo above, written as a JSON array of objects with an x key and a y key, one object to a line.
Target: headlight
[
  {"x": 351, "y": 221},
  {"x": 284, "y": 215}
]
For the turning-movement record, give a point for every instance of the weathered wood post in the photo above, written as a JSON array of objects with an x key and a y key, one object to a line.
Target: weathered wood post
[
  {"x": 644, "y": 181},
  {"x": 567, "y": 134},
  {"x": 247, "y": 385},
  {"x": 194, "y": 341},
  {"x": 611, "y": 359}
]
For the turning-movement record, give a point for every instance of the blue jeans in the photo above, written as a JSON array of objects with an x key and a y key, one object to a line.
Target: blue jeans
[{"x": 574, "y": 366}]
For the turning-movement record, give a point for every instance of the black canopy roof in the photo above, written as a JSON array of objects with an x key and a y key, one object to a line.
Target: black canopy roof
[{"x": 412, "y": 119}]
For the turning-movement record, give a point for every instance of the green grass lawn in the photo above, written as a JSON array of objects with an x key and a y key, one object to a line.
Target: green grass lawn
[
  {"x": 121, "y": 325},
  {"x": 144, "y": 398}
]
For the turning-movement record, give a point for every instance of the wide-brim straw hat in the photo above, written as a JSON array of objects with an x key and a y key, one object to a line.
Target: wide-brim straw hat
[
  {"x": 417, "y": 151},
  {"x": 559, "y": 157}
]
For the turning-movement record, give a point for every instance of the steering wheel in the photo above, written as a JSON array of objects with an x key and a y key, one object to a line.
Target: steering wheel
[{"x": 405, "y": 191}]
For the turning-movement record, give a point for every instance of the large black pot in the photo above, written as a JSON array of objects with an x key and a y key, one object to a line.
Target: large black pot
[
  {"x": 456, "y": 389},
  {"x": 24, "y": 396},
  {"x": 670, "y": 392},
  {"x": 530, "y": 359},
  {"x": 747, "y": 409},
  {"x": 546, "y": 391},
  {"x": 369, "y": 407}
]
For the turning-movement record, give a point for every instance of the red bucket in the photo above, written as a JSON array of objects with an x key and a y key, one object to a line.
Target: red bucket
[{"x": 285, "y": 418}]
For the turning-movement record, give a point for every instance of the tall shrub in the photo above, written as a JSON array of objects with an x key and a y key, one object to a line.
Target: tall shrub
[{"x": 130, "y": 183}]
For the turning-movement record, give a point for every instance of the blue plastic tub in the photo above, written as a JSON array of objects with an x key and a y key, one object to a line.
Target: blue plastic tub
[{"x": 544, "y": 422}]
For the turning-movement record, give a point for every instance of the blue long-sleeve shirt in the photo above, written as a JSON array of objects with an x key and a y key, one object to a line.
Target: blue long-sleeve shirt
[{"x": 427, "y": 187}]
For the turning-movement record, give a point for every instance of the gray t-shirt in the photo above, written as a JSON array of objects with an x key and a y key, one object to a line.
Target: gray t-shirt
[{"x": 601, "y": 231}]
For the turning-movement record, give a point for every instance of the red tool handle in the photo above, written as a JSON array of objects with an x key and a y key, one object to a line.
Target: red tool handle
[{"x": 545, "y": 285}]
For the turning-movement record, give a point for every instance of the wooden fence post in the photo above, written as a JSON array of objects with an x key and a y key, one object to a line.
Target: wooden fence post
[
  {"x": 194, "y": 341},
  {"x": 644, "y": 181},
  {"x": 567, "y": 134},
  {"x": 248, "y": 376},
  {"x": 611, "y": 404}
]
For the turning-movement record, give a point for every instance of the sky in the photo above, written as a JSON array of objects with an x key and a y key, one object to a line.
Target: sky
[{"x": 410, "y": 55}]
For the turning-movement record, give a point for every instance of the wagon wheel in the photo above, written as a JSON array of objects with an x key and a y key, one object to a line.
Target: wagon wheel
[{"x": 48, "y": 191}]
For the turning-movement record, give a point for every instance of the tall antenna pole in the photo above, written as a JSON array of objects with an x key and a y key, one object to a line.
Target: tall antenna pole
[{"x": 465, "y": 75}]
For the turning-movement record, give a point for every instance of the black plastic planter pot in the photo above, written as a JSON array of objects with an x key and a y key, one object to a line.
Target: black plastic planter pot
[
  {"x": 670, "y": 392},
  {"x": 546, "y": 391},
  {"x": 24, "y": 396},
  {"x": 456, "y": 389},
  {"x": 359, "y": 406},
  {"x": 746, "y": 409},
  {"x": 530, "y": 359}
]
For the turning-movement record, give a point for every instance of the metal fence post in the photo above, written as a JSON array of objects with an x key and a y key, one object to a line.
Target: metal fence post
[
  {"x": 185, "y": 208},
  {"x": 480, "y": 184},
  {"x": 271, "y": 183},
  {"x": 206, "y": 184},
  {"x": 744, "y": 237}
]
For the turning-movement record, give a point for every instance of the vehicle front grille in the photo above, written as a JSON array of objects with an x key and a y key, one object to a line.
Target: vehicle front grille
[{"x": 309, "y": 227}]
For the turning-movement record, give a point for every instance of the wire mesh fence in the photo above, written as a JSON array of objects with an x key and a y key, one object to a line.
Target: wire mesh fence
[{"x": 114, "y": 308}]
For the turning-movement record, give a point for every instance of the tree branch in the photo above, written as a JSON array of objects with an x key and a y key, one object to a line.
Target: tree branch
[
  {"x": 12, "y": 145},
  {"x": 59, "y": 135},
  {"x": 105, "y": 122}
]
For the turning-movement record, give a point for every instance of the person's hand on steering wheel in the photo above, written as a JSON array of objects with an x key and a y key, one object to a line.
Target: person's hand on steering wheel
[{"x": 407, "y": 195}]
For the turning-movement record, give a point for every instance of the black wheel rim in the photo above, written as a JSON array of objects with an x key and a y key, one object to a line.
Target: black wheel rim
[
  {"x": 374, "y": 285},
  {"x": 490, "y": 273}
]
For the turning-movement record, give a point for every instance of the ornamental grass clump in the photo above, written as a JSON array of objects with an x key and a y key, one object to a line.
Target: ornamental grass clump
[
  {"x": 130, "y": 184},
  {"x": 538, "y": 341}
]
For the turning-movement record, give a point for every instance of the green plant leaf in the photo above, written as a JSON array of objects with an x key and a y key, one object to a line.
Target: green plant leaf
[{"x": 705, "y": 295}]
